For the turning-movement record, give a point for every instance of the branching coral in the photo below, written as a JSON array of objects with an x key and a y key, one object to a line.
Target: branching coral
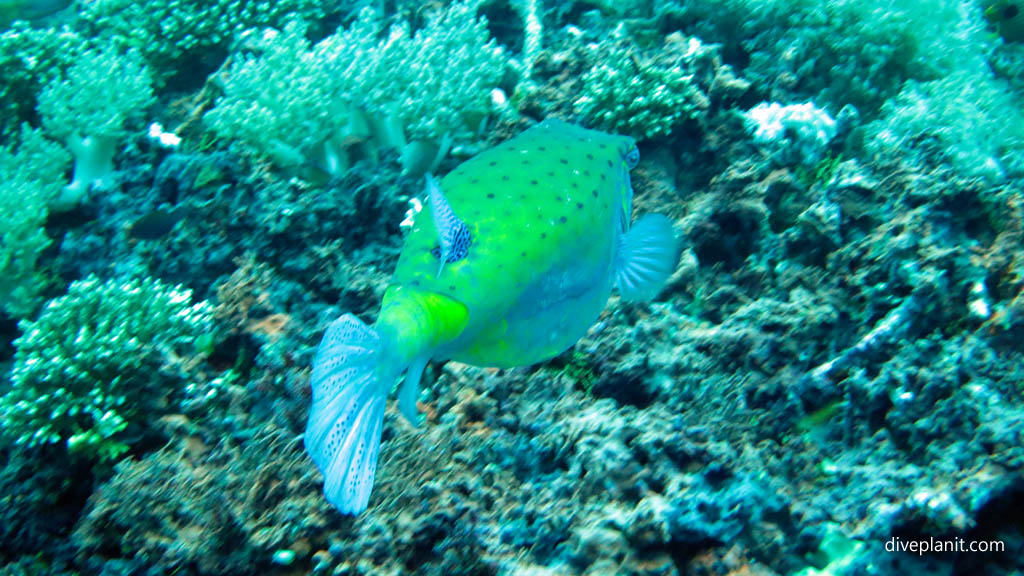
[
  {"x": 794, "y": 133},
  {"x": 628, "y": 94},
  {"x": 88, "y": 370},
  {"x": 30, "y": 178},
  {"x": 31, "y": 58}
]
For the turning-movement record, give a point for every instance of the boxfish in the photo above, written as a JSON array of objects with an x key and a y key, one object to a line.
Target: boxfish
[{"x": 513, "y": 262}]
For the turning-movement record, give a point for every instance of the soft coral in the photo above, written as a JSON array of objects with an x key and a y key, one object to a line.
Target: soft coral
[{"x": 88, "y": 108}]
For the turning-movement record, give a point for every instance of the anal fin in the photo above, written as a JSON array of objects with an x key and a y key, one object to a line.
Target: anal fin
[{"x": 410, "y": 390}]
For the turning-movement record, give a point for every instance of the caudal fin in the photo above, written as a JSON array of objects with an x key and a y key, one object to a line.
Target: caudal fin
[
  {"x": 647, "y": 255},
  {"x": 343, "y": 432}
]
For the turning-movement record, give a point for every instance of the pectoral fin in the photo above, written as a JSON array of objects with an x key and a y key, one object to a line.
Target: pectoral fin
[{"x": 645, "y": 258}]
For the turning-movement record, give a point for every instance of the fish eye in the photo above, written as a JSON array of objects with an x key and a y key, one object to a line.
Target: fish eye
[{"x": 632, "y": 157}]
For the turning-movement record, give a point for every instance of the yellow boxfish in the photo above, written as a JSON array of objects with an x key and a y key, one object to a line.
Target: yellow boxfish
[{"x": 512, "y": 263}]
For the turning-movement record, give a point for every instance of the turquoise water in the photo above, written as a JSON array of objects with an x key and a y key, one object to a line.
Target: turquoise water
[{"x": 827, "y": 382}]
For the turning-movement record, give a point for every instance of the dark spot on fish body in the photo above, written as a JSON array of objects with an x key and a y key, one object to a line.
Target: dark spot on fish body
[
  {"x": 594, "y": 192},
  {"x": 563, "y": 219},
  {"x": 579, "y": 205},
  {"x": 590, "y": 156},
  {"x": 533, "y": 182},
  {"x": 563, "y": 160},
  {"x": 505, "y": 177},
  {"x": 609, "y": 163},
  {"x": 491, "y": 194},
  {"x": 493, "y": 163}
]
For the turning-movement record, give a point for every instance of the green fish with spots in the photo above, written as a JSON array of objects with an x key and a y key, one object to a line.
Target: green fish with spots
[{"x": 514, "y": 260}]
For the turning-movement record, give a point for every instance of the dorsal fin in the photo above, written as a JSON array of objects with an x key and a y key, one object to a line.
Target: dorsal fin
[{"x": 453, "y": 236}]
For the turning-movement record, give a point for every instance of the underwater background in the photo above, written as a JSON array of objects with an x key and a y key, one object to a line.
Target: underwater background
[{"x": 831, "y": 381}]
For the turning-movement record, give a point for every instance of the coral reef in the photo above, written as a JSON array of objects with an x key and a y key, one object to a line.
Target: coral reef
[
  {"x": 226, "y": 508},
  {"x": 832, "y": 370},
  {"x": 969, "y": 113}
]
